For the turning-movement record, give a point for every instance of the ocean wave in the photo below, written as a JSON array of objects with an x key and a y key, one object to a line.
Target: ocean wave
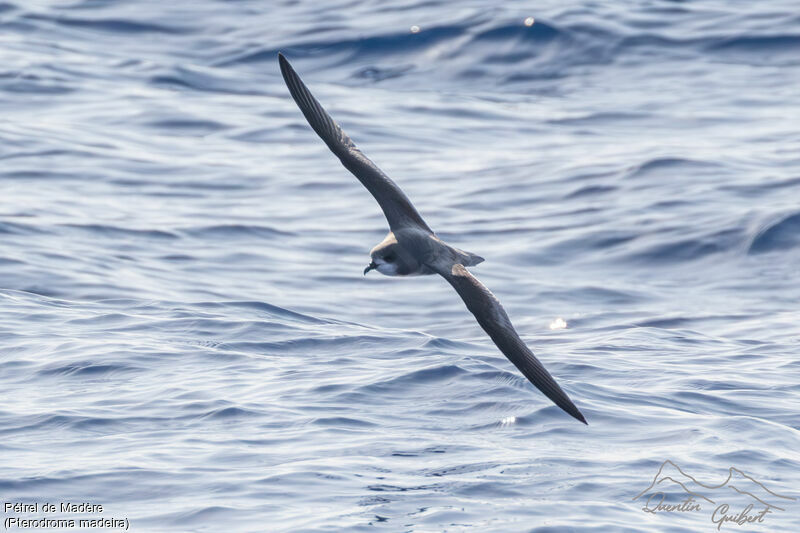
[
  {"x": 107, "y": 230},
  {"x": 513, "y": 53},
  {"x": 236, "y": 231},
  {"x": 780, "y": 235},
  {"x": 108, "y": 25}
]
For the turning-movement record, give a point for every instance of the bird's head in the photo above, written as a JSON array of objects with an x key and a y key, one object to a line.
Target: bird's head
[{"x": 385, "y": 259}]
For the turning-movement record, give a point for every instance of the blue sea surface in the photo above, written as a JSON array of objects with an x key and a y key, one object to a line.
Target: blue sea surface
[{"x": 186, "y": 336}]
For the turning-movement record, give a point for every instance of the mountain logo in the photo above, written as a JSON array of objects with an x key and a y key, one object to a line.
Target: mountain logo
[{"x": 740, "y": 499}]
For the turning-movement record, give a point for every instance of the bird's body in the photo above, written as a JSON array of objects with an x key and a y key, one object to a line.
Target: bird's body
[
  {"x": 412, "y": 249},
  {"x": 390, "y": 258}
]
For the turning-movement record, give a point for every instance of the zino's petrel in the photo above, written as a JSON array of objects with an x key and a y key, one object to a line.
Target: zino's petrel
[{"x": 411, "y": 248}]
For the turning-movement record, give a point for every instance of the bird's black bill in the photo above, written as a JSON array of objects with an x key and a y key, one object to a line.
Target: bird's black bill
[{"x": 371, "y": 266}]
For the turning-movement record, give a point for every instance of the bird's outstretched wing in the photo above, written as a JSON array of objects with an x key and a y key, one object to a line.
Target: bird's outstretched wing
[
  {"x": 493, "y": 319},
  {"x": 399, "y": 210}
]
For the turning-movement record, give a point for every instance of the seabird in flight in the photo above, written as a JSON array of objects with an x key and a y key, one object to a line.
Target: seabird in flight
[{"x": 412, "y": 248}]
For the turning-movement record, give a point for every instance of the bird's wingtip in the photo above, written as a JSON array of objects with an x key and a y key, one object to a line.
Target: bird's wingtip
[
  {"x": 571, "y": 409},
  {"x": 286, "y": 68}
]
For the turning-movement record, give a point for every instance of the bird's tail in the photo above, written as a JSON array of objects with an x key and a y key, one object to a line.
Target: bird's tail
[{"x": 471, "y": 259}]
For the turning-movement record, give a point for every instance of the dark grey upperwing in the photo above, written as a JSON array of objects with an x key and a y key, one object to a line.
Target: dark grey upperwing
[
  {"x": 395, "y": 204},
  {"x": 493, "y": 319}
]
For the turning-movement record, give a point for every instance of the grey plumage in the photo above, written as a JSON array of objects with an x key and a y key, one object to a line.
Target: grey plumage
[
  {"x": 495, "y": 322},
  {"x": 395, "y": 205},
  {"x": 411, "y": 247}
]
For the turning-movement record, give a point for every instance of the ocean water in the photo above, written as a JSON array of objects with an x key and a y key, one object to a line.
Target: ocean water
[{"x": 186, "y": 337}]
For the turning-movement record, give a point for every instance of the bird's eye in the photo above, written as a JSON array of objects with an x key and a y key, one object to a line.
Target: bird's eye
[{"x": 388, "y": 258}]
